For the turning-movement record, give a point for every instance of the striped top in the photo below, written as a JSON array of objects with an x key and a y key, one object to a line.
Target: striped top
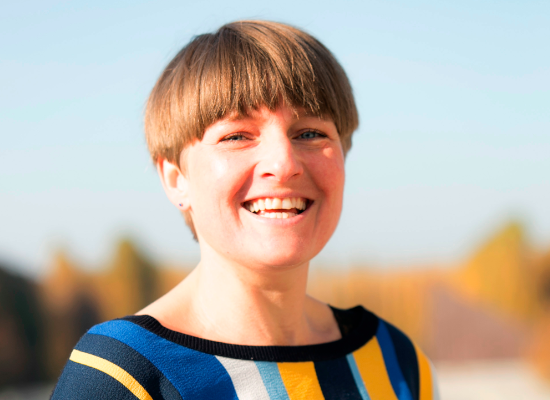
[{"x": 137, "y": 357}]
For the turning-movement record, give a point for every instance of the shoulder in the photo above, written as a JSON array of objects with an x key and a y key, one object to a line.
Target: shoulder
[
  {"x": 106, "y": 365},
  {"x": 126, "y": 358},
  {"x": 390, "y": 362}
]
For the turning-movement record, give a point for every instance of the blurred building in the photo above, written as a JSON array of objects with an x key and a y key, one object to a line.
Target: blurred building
[
  {"x": 75, "y": 300},
  {"x": 22, "y": 343},
  {"x": 496, "y": 305}
]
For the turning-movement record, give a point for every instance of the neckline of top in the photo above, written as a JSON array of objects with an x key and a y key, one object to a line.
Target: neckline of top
[{"x": 356, "y": 324}]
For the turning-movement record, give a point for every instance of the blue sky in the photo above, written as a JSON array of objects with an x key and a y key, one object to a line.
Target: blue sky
[{"x": 454, "y": 139}]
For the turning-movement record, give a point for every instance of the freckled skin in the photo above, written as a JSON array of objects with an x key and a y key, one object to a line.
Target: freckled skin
[{"x": 268, "y": 154}]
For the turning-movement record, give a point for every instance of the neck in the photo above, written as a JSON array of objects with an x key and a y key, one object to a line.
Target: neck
[{"x": 227, "y": 302}]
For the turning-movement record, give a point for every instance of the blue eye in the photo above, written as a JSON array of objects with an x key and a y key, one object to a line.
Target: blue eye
[
  {"x": 234, "y": 138},
  {"x": 310, "y": 135}
]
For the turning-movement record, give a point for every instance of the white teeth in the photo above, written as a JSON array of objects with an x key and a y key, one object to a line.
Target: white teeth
[
  {"x": 275, "y": 203},
  {"x": 281, "y": 215}
]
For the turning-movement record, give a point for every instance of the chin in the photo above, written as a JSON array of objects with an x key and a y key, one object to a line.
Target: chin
[
  {"x": 280, "y": 263},
  {"x": 282, "y": 255}
]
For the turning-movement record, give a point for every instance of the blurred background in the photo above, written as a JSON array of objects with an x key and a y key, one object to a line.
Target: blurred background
[{"x": 446, "y": 223}]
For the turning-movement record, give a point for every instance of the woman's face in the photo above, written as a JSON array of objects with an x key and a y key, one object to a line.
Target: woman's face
[{"x": 266, "y": 190}]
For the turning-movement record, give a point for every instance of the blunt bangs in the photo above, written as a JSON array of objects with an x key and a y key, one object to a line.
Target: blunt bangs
[{"x": 243, "y": 66}]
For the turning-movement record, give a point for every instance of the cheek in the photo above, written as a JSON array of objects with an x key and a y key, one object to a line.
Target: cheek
[
  {"x": 215, "y": 181},
  {"x": 219, "y": 168},
  {"x": 329, "y": 172},
  {"x": 228, "y": 178}
]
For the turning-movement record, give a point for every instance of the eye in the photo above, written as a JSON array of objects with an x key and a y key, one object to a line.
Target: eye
[
  {"x": 308, "y": 135},
  {"x": 234, "y": 137}
]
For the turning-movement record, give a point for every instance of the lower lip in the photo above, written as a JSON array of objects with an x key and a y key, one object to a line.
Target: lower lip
[{"x": 281, "y": 221}]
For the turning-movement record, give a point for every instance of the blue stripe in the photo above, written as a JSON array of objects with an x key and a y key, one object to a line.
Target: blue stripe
[
  {"x": 139, "y": 367},
  {"x": 271, "y": 377},
  {"x": 357, "y": 376},
  {"x": 195, "y": 375},
  {"x": 406, "y": 358},
  {"x": 398, "y": 383}
]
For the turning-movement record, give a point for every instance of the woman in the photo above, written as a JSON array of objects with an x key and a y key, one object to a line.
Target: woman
[{"x": 248, "y": 128}]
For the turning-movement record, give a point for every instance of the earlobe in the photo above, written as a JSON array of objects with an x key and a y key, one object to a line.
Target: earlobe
[
  {"x": 175, "y": 184},
  {"x": 183, "y": 190}
]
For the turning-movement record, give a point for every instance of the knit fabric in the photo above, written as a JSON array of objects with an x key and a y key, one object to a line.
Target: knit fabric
[{"x": 137, "y": 357}]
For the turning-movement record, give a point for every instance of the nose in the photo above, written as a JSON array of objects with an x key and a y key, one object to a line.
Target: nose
[{"x": 279, "y": 160}]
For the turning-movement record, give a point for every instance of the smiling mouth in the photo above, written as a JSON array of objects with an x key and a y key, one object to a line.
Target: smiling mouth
[{"x": 273, "y": 207}]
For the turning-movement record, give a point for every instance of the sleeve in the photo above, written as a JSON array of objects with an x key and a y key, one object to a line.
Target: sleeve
[
  {"x": 415, "y": 368},
  {"x": 435, "y": 384},
  {"x": 429, "y": 388},
  {"x": 83, "y": 382},
  {"x": 101, "y": 367}
]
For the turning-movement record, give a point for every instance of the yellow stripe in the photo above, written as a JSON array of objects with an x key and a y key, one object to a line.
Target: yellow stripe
[
  {"x": 425, "y": 372},
  {"x": 112, "y": 370},
  {"x": 371, "y": 366},
  {"x": 300, "y": 380}
]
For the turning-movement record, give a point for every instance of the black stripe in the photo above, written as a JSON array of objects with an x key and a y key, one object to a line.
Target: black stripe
[
  {"x": 79, "y": 382},
  {"x": 356, "y": 338},
  {"x": 336, "y": 380},
  {"x": 348, "y": 320},
  {"x": 406, "y": 356},
  {"x": 143, "y": 371}
]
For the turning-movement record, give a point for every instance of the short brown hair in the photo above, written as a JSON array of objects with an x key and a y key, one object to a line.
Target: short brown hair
[{"x": 243, "y": 66}]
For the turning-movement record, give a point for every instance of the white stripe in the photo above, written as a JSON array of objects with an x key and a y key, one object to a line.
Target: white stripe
[
  {"x": 435, "y": 383},
  {"x": 246, "y": 378}
]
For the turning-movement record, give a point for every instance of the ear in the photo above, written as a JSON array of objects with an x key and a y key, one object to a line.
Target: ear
[{"x": 175, "y": 184}]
